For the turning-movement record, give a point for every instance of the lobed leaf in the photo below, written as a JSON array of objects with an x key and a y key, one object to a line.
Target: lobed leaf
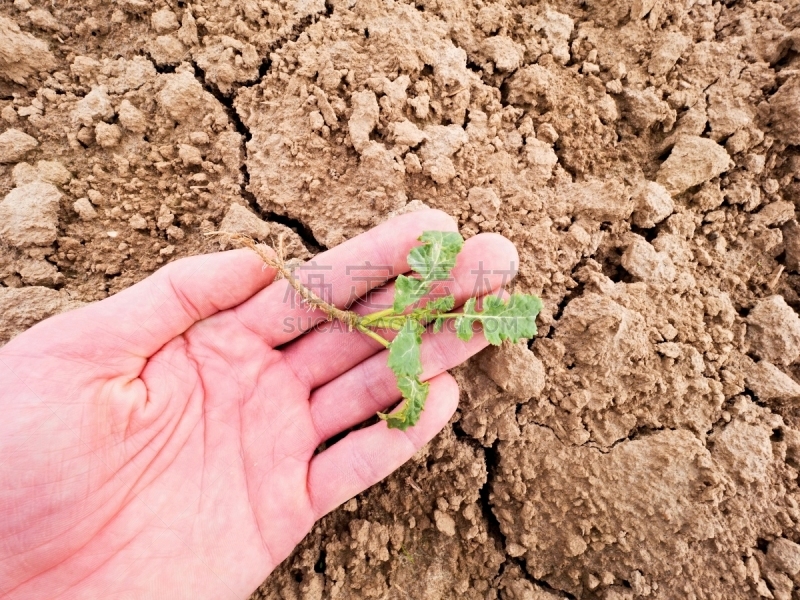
[
  {"x": 407, "y": 291},
  {"x": 464, "y": 324},
  {"x": 437, "y": 256},
  {"x": 433, "y": 261},
  {"x": 415, "y": 393},
  {"x": 406, "y": 364},
  {"x": 438, "y": 306},
  {"x": 513, "y": 319},
  {"x": 404, "y": 350},
  {"x": 441, "y": 305}
]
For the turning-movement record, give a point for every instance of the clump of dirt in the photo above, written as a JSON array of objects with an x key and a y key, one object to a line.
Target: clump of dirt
[{"x": 643, "y": 156}]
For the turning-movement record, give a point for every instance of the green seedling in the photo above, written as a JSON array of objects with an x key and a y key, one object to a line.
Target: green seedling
[
  {"x": 512, "y": 318},
  {"x": 409, "y": 557}
]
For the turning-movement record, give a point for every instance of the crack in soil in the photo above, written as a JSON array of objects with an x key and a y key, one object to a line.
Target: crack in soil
[
  {"x": 492, "y": 458},
  {"x": 227, "y": 101},
  {"x": 312, "y": 244},
  {"x": 300, "y": 228}
]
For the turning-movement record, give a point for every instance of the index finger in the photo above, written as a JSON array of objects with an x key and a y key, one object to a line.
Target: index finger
[{"x": 339, "y": 275}]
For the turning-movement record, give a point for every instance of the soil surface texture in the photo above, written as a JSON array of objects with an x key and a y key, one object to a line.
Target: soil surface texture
[{"x": 643, "y": 155}]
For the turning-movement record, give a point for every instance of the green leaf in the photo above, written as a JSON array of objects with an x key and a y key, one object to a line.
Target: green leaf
[
  {"x": 513, "y": 319},
  {"x": 415, "y": 394},
  {"x": 404, "y": 359},
  {"x": 405, "y": 363},
  {"x": 407, "y": 291},
  {"x": 441, "y": 305},
  {"x": 437, "y": 256},
  {"x": 464, "y": 324},
  {"x": 432, "y": 310},
  {"x": 433, "y": 261}
]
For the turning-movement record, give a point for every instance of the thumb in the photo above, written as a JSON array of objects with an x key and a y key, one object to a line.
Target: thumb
[{"x": 141, "y": 319}]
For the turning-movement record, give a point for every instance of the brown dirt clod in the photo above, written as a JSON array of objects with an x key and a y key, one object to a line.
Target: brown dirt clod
[{"x": 643, "y": 156}]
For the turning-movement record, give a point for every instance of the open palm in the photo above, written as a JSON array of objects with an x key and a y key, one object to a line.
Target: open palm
[{"x": 162, "y": 442}]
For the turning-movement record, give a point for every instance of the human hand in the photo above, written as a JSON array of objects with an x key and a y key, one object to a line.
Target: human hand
[{"x": 161, "y": 443}]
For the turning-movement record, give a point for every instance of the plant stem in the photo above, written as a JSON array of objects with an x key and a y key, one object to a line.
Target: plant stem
[
  {"x": 373, "y": 335},
  {"x": 387, "y": 323},
  {"x": 396, "y": 321},
  {"x": 372, "y": 317}
]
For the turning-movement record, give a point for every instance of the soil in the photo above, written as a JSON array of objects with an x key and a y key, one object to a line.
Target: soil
[{"x": 644, "y": 156}]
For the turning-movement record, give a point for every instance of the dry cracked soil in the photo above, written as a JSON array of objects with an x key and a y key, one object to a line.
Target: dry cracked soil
[{"x": 644, "y": 156}]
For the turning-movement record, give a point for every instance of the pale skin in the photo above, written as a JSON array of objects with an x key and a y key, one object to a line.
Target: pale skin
[{"x": 161, "y": 443}]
